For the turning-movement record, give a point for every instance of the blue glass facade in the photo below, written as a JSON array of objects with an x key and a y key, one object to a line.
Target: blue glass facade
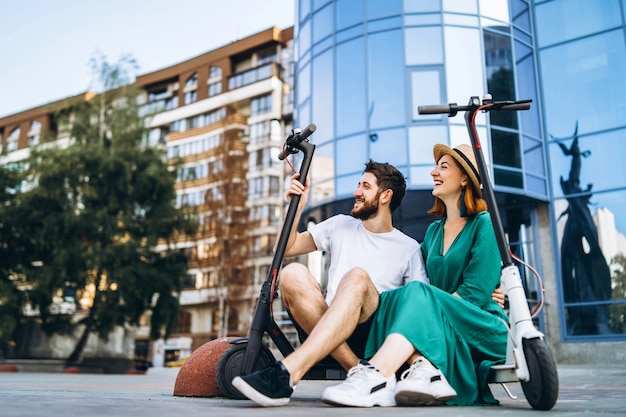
[
  {"x": 582, "y": 54},
  {"x": 364, "y": 66}
]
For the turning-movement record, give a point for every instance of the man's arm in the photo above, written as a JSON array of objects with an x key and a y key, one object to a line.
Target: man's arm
[{"x": 298, "y": 243}]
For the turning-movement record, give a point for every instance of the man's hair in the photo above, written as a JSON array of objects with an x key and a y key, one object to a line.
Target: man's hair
[{"x": 389, "y": 178}]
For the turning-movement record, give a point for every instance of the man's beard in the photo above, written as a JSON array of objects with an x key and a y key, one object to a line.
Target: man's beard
[{"x": 367, "y": 210}]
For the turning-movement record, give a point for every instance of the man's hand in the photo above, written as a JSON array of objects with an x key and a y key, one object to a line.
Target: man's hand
[
  {"x": 498, "y": 297},
  {"x": 297, "y": 188}
]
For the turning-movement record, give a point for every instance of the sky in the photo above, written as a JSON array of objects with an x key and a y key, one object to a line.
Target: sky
[{"x": 46, "y": 45}]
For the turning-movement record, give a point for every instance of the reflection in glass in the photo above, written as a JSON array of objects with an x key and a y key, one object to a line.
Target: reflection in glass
[
  {"x": 347, "y": 185},
  {"x": 585, "y": 273},
  {"x": 386, "y": 80},
  {"x": 617, "y": 312},
  {"x": 421, "y": 142},
  {"x": 322, "y": 174},
  {"x": 305, "y": 8},
  {"x": 460, "y": 6},
  {"x": 349, "y": 12},
  {"x": 596, "y": 67},
  {"x": 423, "y": 46},
  {"x": 322, "y": 23},
  {"x": 508, "y": 178},
  {"x": 352, "y": 153},
  {"x": 603, "y": 168},
  {"x": 322, "y": 98},
  {"x": 303, "y": 91},
  {"x": 495, "y": 9},
  {"x": 559, "y": 21},
  {"x": 536, "y": 185},
  {"x": 415, "y": 6},
  {"x": 425, "y": 90},
  {"x": 464, "y": 63},
  {"x": 304, "y": 36},
  {"x": 390, "y": 146},
  {"x": 533, "y": 156},
  {"x": 377, "y": 9},
  {"x": 350, "y": 94},
  {"x": 500, "y": 82},
  {"x": 527, "y": 88},
  {"x": 506, "y": 148}
]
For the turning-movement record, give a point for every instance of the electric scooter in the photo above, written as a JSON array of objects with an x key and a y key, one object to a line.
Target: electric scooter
[
  {"x": 529, "y": 360},
  {"x": 250, "y": 354}
]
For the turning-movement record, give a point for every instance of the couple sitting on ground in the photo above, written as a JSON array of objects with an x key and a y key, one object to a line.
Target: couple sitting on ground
[{"x": 393, "y": 301}]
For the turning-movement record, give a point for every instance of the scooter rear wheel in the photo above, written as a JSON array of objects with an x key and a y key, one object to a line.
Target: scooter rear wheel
[
  {"x": 229, "y": 366},
  {"x": 542, "y": 389}
]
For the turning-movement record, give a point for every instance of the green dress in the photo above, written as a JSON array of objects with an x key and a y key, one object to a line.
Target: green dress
[{"x": 461, "y": 336}]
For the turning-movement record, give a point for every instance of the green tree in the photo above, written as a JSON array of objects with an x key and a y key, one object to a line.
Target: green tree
[
  {"x": 101, "y": 207},
  {"x": 12, "y": 254},
  {"x": 617, "y": 312}
]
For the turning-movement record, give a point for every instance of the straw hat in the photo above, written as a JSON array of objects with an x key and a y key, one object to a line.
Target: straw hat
[{"x": 464, "y": 155}]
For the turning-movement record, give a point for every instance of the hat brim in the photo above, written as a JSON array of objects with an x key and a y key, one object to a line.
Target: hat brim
[{"x": 440, "y": 150}]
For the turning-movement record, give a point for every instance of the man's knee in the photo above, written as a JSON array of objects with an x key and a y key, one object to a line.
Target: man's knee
[
  {"x": 295, "y": 280},
  {"x": 293, "y": 276},
  {"x": 356, "y": 279}
]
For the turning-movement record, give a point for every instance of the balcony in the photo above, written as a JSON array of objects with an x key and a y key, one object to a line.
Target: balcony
[{"x": 253, "y": 75}]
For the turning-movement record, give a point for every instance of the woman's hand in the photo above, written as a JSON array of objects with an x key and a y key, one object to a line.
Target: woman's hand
[{"x": 498, "y": 297}]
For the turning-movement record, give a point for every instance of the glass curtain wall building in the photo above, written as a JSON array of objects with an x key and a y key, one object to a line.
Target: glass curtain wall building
[
  {"x": 364, "y": 66},
  {"x": 581, "y": 49}
]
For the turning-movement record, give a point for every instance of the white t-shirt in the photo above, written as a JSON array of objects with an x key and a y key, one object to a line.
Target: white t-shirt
[{"x": 391, "y": 259}]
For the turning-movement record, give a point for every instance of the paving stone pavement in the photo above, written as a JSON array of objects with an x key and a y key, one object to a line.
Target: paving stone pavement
[{"x": 584, "y": 391}]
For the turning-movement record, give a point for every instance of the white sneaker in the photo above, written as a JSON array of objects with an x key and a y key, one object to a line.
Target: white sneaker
[
  {"x": 423, "y": 384},
  {"x": 364, "y": 387}
]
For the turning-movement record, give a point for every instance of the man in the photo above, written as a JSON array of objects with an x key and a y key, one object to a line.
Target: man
[{"x": 368, "y": 255}]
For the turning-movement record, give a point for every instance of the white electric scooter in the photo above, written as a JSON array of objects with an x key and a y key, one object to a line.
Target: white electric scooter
[{"x": 529, "y": 360}]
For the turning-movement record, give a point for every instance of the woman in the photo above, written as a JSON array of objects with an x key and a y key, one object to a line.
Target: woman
[{"x": 451, "y": 331}]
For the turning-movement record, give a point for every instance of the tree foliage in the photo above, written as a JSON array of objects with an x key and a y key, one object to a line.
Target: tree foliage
[
  {"x": 13, "y": 253},
  {"x": 98, "y": 210},
  {"x": 617, "y": 312}
]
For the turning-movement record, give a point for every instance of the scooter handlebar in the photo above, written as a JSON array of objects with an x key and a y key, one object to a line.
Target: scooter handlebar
[
  {"x": 452, "y": 108},
  {"x": 299, "y": 136},
  {"x": 435, "y": 109},
  {"x": 308, "y": 131},
  {"x": 515, "y": 106}
]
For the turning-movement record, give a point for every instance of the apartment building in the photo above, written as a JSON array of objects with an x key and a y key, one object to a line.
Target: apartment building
[{"x": 221, "y": 117}]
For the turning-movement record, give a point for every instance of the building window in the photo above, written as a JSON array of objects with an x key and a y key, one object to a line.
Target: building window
[
  {"x": 13, "y": 139},
  {"x": 266, "y": 55},
  {"x": 260, "y": 105},
  {"x": 192, "y": 82},
  {"x": 233, "y": 320},
  {"x": 34, "y": 133},
  {"x": 190, "y": 91},
  {"x": 190, "y": 97},
  {"x": 216, "y": 321},
  {"x": 184, "y": 322},
  {"x": 215, "y": 88},
  {"x": 215, "y": 72},
  {"x": 260, "y": 132},
  {"x": 157, "y": 95},
  {"x": 172, "y": 102},
  {"x": 215, "y": 81}
]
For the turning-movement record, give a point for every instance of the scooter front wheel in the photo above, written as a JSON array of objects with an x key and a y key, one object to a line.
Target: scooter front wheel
[
  {"x": 542, "y": 389},
  {"x": 229, "y": 366}
]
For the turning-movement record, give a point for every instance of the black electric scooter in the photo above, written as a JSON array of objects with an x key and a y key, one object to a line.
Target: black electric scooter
[
  {"x": 529, "y": 360},
  {"x": 250, "y": 354}
]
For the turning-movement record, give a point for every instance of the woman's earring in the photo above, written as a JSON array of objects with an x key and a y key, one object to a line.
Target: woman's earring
[{"x": 463, "y": 206}]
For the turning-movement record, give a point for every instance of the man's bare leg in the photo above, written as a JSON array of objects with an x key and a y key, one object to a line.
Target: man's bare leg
[
  {"x": 302, "y": 296},
  {"x": 356, "y": 300}
]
